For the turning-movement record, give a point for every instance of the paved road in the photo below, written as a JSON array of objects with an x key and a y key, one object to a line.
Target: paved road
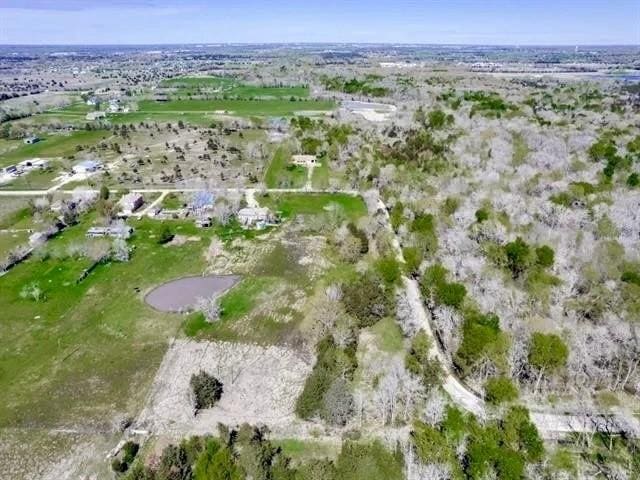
[{"x": 551, "y": 425}]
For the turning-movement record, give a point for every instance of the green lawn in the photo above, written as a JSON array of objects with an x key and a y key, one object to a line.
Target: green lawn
[
  {"x": 320, "y": 175},
  {"x": 230, "y": 87},
  {"x": 243, "y": 108},
  {"x": 291, "y": 204},
  {"x": 54, "y": 146},
  {"x": 282, "y": 173},
  {"x": 89, "y": 349}
]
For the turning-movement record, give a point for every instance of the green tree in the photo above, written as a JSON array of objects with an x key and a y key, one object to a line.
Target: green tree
[
  {"x": 519, "y": 256},
  {"x": 499, "y": 390}
]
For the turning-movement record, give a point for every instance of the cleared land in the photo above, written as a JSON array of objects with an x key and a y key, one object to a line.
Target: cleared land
[{"x": 261, "y": 385}]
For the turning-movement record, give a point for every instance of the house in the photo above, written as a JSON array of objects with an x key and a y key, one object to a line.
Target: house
[
  {"x": 254, "y": 217},
  {"x": 93, "y": 101},
  {"x": 11, "y": 170},
  {"x": 304, "y": 160},
  {"x": 86, "y": 166},
  {"x": 91, "y": 116},
  {"x": 116, "y": 231},
  {"x": 31, "y": 140},
  {"x": 130, "y": 203}
]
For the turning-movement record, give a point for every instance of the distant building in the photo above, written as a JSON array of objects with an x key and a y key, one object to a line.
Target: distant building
[
  {"x": 130, "y": 203},
  {"x": 93, "y": 101},
  {"x": 203, "y": 222},
  {"x": 11, "y": 169},
  {"x": 116, "y": 231},
  {"x": 87, "y": 166},
  {"x": 254, "y": 217},
  {"x": 304, "y": 160},
  {"x": 91, "y": 116},
  {"x": 31, "y": 140}
]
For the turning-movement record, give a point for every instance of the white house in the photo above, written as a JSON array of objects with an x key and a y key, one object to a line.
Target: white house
[
  {"x": 31, "y": 140},
  {"x": 87, "y": 166},
  {"x": 304, "y": 160}
]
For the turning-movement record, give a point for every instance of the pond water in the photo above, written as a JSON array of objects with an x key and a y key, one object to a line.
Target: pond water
[{"x": 181, "y": 294}]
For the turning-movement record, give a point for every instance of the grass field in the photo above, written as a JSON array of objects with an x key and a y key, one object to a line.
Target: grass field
[
  {"x": 291, "y": 204},
  {"x": 87, "y": 350},
  {"x": 54, "y": 146},
  {"x": 242, "y": 108},
  {"x": 230, "y": 87},
  {"x": 320, "y": 175},
  {"x": 282, "y": 173}
]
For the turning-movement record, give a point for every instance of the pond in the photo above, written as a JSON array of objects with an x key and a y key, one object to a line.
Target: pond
[{"x": 182, "y": 294}]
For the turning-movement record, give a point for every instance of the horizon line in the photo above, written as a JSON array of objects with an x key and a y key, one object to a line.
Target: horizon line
[{"x": 418, "y": 44}]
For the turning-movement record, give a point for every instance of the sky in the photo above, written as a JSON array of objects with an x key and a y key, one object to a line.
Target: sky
[{"x": 486, "y": 22}]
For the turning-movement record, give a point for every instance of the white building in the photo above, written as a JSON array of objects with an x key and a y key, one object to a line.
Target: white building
[{"x": 304, "y": 160}]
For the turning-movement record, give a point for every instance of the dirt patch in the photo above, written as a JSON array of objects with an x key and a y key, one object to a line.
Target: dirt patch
[
  {"x": 179, "y": 240},
  {"x": 180, "y": 295},
  {"x": 261, "y": 385}
]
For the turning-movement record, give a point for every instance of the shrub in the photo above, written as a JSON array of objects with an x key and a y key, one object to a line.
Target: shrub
[
  {"x": 631, "y": 277},
  {"x": 482, "y": 215},
  {"x": 361, "y": 236},
  {"x": 130, "y": 450},
  {"x": 389, "y": 270},
  {"x": 519, "y": 256},
  {"x": 451, "y": 294},
  {"x": 450, "y": 206},
  {"x": 207, "y": 390},
  {"x": 413, "y": 260},
  {"x": 602, "y": 149},
  {"x": 431, "y": 445},
  {"x": 499, "y": 390},
  {"x": 481, "y": 337},
  {"x": 545, "y": 256},
  {"x": 165, "y": 235},
  {"x": 633, "y": 180}
]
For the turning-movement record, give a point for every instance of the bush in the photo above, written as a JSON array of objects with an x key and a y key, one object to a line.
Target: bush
[
  {"x": 631, "y": 277},
  {"x": 165, "y": 235},
  {"x": 482, "y": 215},
  {"x": 519, "y": 256},
  {"x": 633, "y": 180},
  {"x": 413, "y": 260},
  {"x": 361, "y": 236},
  {"x": 207, "y": 390},
  {"x": 545, "y": 256},
  {"x": 450, "y": 206},
  {"x": 130, "y": 450},
  {"x": 451, "y": 294},
  {"x": 389, "y": 270},
  {"x": 499, "y": 390}
]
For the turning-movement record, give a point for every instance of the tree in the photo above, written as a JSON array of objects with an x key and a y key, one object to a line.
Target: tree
[
  {"x": 547, "y": 352},
  {"x": 206, "y": 389},
  {"x": 389, "y": 270},
  {"x": 499, "y": 390}
]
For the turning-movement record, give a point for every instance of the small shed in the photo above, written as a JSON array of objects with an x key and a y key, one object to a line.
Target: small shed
[{"x": 31, "y": 140}]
